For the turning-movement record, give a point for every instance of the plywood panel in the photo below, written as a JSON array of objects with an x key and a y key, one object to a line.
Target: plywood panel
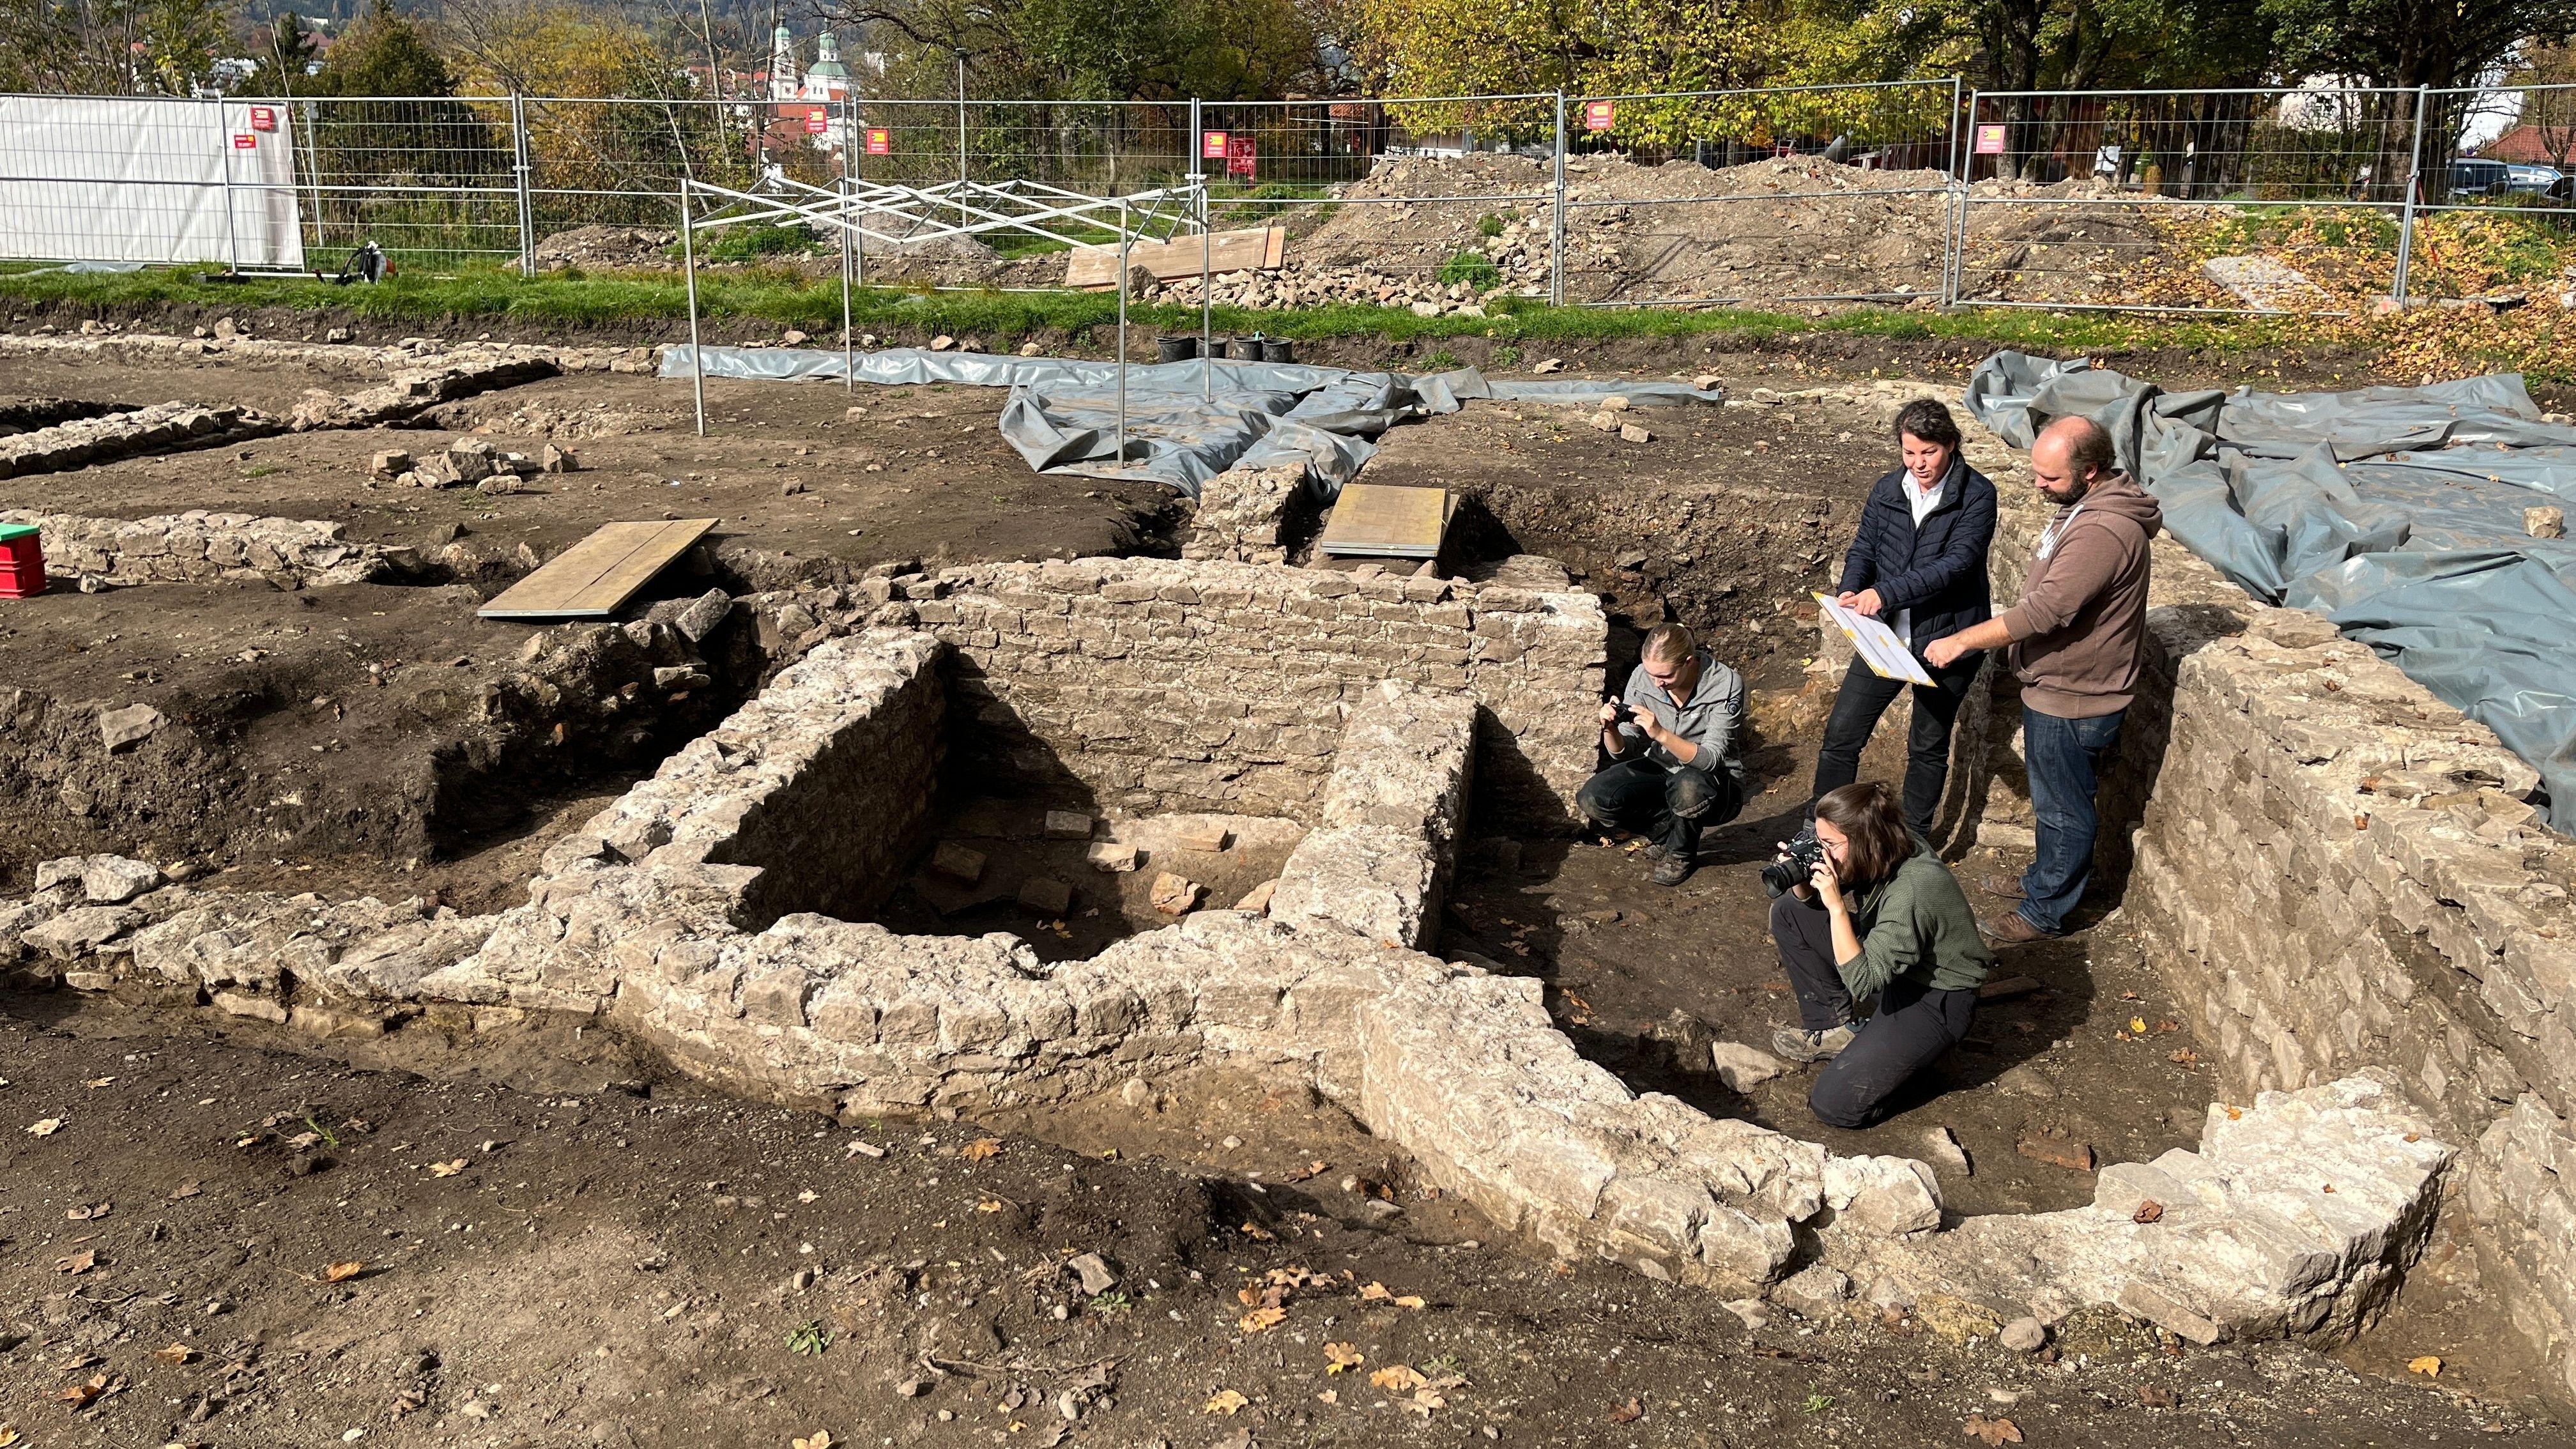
[
  {"x": 595, "y": 577},
  {"x": 1378, "y": 520},
  {"x": 1229, "y": 251}
]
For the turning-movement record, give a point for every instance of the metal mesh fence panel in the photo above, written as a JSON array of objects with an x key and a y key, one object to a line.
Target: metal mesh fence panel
[
  {"x": 1436, "y": 202},
  {"x": 1821, "y": 193},
  {"x": 429, "y": 180},
  {"x": 2240, "y": 200},
  {"x": 2495, "y": 215}
]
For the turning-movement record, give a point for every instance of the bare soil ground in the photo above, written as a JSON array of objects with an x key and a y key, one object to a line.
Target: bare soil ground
[
  {"x": 231, "y": 1242},
  {"x": 616, "y": 1259}
]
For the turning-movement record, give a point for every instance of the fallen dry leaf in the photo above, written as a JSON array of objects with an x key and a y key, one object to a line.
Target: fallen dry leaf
[
  {"x": 98, "y": 1081},
  {"x": 989, "y": 1205},
  {"x": 95, "y": 1388},
  {"x": 822, "y": 1439},
  {"x": 1425, "y": 1400},
  {"x": 80, "y": 1262},
  {"x": 981, "y": 1148},
  {"x": 1261, "y": 1319},
  {"x": 2137, "y": 1026},
  {"x": 175, "y": 1353},
  {"x": 2430, "y": 1365},
  {"x": 8, "y": 1435},
  {"x": 46, "y": 1128},
  {"x": 2155, "y": 1398},
  {"x": 1628, "y": 1413},
  {"x": 343, "y": 1272},
  {"x": 2148, "y": 1211},
  {"x": 447, "y": 1169},
  {"x": 1994, "y": 1431},
  {"x": 1397, "y": 1378},
  {"x": 1342, "y": 1358},
  {"x": 1224, "y": 1401},
  {"x": 91, "y": 1213},
  {"x": 187, "y": 1189}
]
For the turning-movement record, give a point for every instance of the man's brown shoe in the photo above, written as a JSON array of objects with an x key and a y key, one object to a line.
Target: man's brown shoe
[
  {"x": 2002, "y": 887},
  {"x": 2013, "y": 929}
]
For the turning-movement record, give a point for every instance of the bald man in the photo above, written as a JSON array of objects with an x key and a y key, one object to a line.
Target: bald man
[{"x": 2074, "y": 641}]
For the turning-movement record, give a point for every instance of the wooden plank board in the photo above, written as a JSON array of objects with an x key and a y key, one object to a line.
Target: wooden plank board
[
  {"x": 1383, "y": 521},
  {"x": 595, "y": 577},
  {"x": 1259, "y": 249}
]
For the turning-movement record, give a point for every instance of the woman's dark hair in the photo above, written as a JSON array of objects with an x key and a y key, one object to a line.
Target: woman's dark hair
[
  {"x": 1927, "y": 419},
  {"x": 1868, "y": 816}
]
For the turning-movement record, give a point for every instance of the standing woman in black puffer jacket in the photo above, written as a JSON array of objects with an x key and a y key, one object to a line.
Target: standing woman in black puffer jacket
[{"x": 1918, "y": 566}]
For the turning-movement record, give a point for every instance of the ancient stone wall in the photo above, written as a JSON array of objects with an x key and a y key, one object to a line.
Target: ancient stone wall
[
  {"x": 2340, "y": 872},
  {"x": 197, "y": 546},
  {"x": 83, "y": 441},
  {"x": 1156, "y": 687}
]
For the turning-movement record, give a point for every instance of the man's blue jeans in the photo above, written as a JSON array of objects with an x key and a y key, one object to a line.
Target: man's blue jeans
[{"x": 2064, "y": 760}]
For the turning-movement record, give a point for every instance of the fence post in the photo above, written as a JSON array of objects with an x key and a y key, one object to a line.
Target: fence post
[
  {"x": 1957, "y": 245},
  {"x": 519, "y": 169},
  {"x": 854, "y": 151},
  {"x": 224, "y": 141},
  {"x": 313, "y": 172},
  {"x": 2406, "y": 218},
  {"x": 1962, "y": 130},
  {"x": 1556, "y": 226},
  {"x": 1207, "y": 248}
]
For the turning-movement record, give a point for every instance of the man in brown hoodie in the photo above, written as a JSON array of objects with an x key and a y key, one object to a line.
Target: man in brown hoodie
[{"x": 2074, "y": 641}]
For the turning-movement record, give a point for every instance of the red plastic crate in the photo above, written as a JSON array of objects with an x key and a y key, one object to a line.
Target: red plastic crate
[{"x": 22, "y": 561}]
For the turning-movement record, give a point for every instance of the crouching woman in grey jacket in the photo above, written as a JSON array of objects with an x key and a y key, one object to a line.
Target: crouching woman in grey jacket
[{"x": 1879, "y": 917}]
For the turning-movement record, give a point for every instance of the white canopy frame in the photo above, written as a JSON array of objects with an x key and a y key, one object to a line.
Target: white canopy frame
[{"x": 861, "y": 211}]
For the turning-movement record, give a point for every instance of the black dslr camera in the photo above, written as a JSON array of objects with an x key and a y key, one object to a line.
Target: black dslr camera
[{"x": 1796, "y": 865}]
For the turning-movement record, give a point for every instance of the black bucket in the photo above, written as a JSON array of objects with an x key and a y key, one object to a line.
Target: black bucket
[
  {"x": 1244, "y": 349},
  {"x": 1278, "y": 349},
  {"x": 1176, "y": 349}
]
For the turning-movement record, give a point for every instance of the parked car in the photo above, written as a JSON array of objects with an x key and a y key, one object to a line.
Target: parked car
[
  {"x": 2477, "y": 176},
  {"x": 2531, "y": 180}
]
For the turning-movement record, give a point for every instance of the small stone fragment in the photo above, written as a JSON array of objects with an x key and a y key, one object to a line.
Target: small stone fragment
[
  {"x": 1941, "y": 1148},
  {"x": 2545, "y": 521},
  {"x": 1094, "y": 1272},
  {"x": 1176, "y": 895},
  {"x": 2024, "y": 1335},
  {"x": 560, "y": 460},
  {"x": 952, "y": 859},
  {"x": 1741, "y": 1067},
  {"x": 1631, "y": 433},
  {"x": 1044, "y": 896},
  {"x": 386, "y": 466},
  {"x": 1755, "y": 1313},
  {"x": 1814, "y": 1291},
  {"x": 238, "y": 1003},
  {"x": 1067, "y": 825},
  {"x": 121, "y": 728},
  {"x": 1109, "y": 855},
  {"x": 113, "y": 879},
  {"x": 2057, "y": 1152},
  {"x": 1604, "y": 422},
  {"x": 1257, "y": 899},
  {"x": 1206, "y": 838}
]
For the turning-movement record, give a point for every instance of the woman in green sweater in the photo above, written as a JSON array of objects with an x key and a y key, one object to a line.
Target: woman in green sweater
[{"x": 1880, "y": 917}]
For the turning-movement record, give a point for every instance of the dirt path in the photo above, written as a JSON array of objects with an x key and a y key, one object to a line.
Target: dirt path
[{"x": 642, "y": 1266}]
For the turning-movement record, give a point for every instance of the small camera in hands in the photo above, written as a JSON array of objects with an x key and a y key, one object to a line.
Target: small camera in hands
[{"x": 1796, "y": 865}]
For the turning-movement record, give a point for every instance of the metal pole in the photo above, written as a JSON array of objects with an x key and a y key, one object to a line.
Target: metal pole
[
  {"x": 1556, "y": 228},
  {"x": 1207, "y": 252},
  {"x": 1122, "y": 334},
  {"x": 2406, "y": 220},
  {"x": 689, "y": 264},
  {"x": 1957, "y": 245},
  {"x": 313, "y": 169},
  {"x": 519, "y": 166},
  {"x": 232, "y": 236},
  {"x": 849, "y": 363},
  {"x": 853, "y": 159},
  {"x": 961, "y": 138}
]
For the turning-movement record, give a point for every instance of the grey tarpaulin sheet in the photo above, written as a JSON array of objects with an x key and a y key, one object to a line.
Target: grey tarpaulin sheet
[
  {"x": 1063, "y": 414},
  {"x": 2396, "y": 512}
]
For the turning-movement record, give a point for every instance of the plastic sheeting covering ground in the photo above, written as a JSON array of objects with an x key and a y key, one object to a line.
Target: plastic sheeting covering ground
[
  {"x": 1186, "y": 421},
  {"x": 2395, "y": 512}
]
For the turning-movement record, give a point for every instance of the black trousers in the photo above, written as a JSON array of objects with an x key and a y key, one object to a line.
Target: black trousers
[
  {"x": 1669, "y": 804},
  {"x": 1865, "y": 696},
  {"x": 1912, "y": 1027}
]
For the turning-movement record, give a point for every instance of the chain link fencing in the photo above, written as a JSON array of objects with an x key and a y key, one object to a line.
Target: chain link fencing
[{"x": 2283, "y": 199}]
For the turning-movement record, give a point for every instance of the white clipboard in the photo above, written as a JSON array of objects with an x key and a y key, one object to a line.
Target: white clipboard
[{"x": 1877, "y": 643}]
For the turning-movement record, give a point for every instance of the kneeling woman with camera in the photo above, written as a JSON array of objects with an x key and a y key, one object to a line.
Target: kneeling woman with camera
[{"x": 1877, "y": 916}]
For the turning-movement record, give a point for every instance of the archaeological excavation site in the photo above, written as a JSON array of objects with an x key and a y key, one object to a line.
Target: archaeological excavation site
[{"x": 538, "y": 912}]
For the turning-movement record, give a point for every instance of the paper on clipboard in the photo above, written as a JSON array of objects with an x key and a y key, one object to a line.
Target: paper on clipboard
[{"x": 1876, "y": 642}]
